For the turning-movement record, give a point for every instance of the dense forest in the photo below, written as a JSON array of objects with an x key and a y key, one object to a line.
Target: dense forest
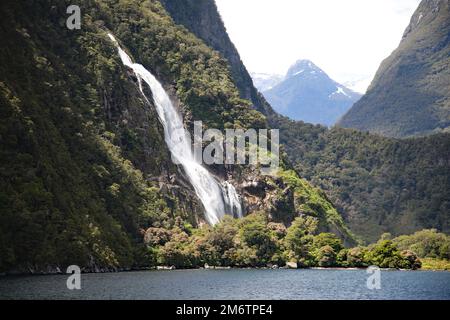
[
  {"x": 378, "y": 184},
  {"x": 84, "y": 169},
  {"x": 254, "y": 241},
  {"x": 86, "y": 177}
]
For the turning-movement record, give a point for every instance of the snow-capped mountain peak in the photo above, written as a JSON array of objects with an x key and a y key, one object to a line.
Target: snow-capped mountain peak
[
  {"x": 307, "y": 93},
  {"x": 303, "y": 66}
]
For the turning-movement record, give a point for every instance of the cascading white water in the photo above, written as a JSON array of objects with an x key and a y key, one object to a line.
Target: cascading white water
[
  {"x": 232, "y": 199},
  {"x": 217, "y": 199}
]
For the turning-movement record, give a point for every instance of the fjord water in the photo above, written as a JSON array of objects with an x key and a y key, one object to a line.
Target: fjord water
[
  {"x": 217, "y": 199},
  {"x": 232, "y": 284}
]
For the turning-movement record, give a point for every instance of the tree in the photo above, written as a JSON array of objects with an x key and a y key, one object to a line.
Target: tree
[
  {"x": 356, "y": 257},
  {"x": 178, "y": 252},
  {"x": 330, "y": 239},
  {"x": 385, "y": 254},
  {"x": 341, "y": 258},
  {"x": 427, "y": 243},
  {"x": 326, "y": 256},
  {"x": 221, "y": 241},
  {"x": 444, "y": 252},
  {"x": 386, "y": 236},
  {"x": 156, "y": 236},
  {"x": 299, "y": 240},
  {"x": 255, "y": 233},
  {"x": 410, "y": 260}
]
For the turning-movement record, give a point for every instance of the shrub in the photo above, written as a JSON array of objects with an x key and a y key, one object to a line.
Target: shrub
[{"x": 326, "y": 257}]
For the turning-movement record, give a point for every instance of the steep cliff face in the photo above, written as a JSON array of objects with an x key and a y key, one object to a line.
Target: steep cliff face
[
  {"x": 410, "y": 93},
  {"x": 203, "y": 19},
  {"x": 83, "y": 162},
  {"x": 378, "y": 184},
  {"x": 84, "y": 166}
]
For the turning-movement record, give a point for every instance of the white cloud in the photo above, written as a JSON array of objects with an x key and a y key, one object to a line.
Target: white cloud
[{"x": 346, "y": 38}]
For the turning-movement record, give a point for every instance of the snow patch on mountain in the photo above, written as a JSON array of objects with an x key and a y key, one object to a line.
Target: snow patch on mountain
[{"x": 339, "y": 90}]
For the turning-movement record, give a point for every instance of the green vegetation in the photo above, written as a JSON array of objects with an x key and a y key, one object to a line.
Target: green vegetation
[
  {"x": 435, "y": 264},
  {"x": 200, "y": 76},
  {"x": 86, "y": 177},
  {"x": 84, "y": 169},
  {"x": 81, "y": 152},
  {"x": 313, "y": 202},
  {"x": 426, "y": 243},
  {"x": 377, "y": 184},
  {"x": 255, "y": 242},
  {"x": 73, "y": 189},
  {"x": 410, "y": 94}
]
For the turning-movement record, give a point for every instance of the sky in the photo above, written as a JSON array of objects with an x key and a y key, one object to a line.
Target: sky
[{"x": 348, "y": 39}]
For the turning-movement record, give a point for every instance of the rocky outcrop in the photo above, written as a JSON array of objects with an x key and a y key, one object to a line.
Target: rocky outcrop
[
  {"x": 85, "y": 167},
  {"x": 291, "y": 265}
]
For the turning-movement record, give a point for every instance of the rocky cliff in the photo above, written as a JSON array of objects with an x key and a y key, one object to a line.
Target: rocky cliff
[
  {"x": 378, "y": 184},
  {"x": 84, "y": 169}
]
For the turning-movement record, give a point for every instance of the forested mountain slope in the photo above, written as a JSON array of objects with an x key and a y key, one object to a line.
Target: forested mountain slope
[
  {"x": 379, "y": 184},
  {"x": 84, "y": 169},
  {"x": 410, "y": 94}
]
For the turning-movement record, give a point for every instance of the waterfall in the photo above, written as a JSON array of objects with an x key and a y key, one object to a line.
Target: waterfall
[
  {"x": 216, "y": 198},
  {"x": 232, "y": 199}
]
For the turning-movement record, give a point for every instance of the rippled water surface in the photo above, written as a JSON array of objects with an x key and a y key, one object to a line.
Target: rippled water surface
[{"x": 232, "y": 284}]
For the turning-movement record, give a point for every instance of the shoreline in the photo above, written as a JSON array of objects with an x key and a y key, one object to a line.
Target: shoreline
[{"x": 171, "y": 268}]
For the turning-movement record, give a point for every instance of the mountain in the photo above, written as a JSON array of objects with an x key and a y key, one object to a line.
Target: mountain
[
  {"x": 378, "y": 184},
  {"x": 202, "y": 18},
  {"x": 86, "y": 173},
  {"x": 357, "y": 83},
  {"x": 265, "y": 81},
  {"x": 410, "y": 93},
  {"x": 307, "y": 93}
]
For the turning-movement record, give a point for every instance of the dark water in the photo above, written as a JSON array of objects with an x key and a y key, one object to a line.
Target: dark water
[{"x": 232, "y": 284}]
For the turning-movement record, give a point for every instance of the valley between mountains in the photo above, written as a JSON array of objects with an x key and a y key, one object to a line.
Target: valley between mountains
[{"x": 91, "y": 119}]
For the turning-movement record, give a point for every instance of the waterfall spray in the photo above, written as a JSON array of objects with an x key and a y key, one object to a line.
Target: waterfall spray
[{"x": 217, "y": 198}]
